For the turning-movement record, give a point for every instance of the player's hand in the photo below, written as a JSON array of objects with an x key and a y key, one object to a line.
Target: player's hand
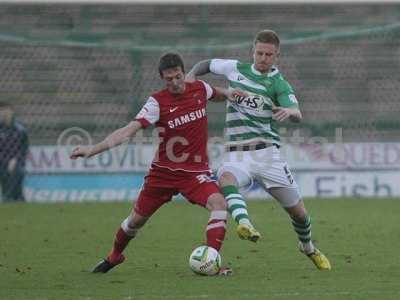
[
  {"x": 12, "y": 164},
  {"x": 236, "y": 94},
  {"x": 190, "y": 77},
  {"x": 80, "y": 151},
  {"x": 280, "y": 113}
]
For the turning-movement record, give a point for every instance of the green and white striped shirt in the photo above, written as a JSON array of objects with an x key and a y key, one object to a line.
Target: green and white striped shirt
[{"x": 249, "y": 119}]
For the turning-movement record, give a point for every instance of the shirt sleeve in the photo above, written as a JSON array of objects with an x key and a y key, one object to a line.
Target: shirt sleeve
[
  {"x": 285, "y": 95},
  {"x": 209, "y": 90},
  {"x": 150, "y": 113},
  {"x": 222, "y": 66}
]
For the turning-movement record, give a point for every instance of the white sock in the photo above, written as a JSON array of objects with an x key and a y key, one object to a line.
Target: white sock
[
  {"x": 308, "y": 248},
  {"x": 246, "y": 222}
]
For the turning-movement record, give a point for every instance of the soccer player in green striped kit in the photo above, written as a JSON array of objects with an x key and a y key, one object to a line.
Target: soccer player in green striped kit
[{"x": 253, "y": 142}]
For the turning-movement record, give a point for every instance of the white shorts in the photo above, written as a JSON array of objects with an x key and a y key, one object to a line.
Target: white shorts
[{"x": 266, "y": 167}]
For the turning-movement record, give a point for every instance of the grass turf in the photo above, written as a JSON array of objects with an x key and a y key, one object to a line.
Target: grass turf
[{"x": 47, "y": 250}]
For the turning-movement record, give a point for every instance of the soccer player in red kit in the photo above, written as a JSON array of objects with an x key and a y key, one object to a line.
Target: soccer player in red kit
[{"x": 181, "y": 163}]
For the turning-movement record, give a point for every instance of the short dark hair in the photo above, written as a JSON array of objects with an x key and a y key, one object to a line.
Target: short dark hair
[
  {"x": 267, "y": 36},
  {"x": 170, "y": 60}
]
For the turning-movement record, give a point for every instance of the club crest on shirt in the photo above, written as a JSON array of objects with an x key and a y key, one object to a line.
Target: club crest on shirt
[
  {"x": 196, "y": 97},
  {"x": 267, "y": 83}
]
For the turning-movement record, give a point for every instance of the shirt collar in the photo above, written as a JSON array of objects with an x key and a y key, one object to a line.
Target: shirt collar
[{"x": 274, "y": 70}]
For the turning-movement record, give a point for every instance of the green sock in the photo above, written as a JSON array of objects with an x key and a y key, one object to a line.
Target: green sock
[
  {"x": 303, "y": 230},
  {"x": 236, "y": 205}
]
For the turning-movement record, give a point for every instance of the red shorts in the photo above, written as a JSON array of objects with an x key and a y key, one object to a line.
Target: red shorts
[{"x": 161, "y": 184}]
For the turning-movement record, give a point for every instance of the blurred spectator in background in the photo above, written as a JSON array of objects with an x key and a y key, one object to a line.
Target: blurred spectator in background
[{"x": 13, "y": 150}]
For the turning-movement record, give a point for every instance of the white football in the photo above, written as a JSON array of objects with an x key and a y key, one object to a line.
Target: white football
[{"x": 205, "y": 260}]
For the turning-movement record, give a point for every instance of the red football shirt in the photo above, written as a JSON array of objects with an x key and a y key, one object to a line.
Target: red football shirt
[{"x": 183, "y": 127}]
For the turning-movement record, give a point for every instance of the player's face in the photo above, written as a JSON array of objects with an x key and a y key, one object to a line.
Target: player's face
[
  {"x": 6, "y": 115},
  {"x": 265, "y": 55},
  {"x": 174, "y": 79}
]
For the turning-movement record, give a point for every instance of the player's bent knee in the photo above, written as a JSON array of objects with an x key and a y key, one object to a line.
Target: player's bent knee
[
  {"x": 227, "y": 178},
  {"x": 297, "y": 212},
  {"x": 216, "y": 202},
  {"x": 134, "y": 222}
]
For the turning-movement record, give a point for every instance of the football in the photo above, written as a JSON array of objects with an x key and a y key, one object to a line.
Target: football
[{"x": 205, "y": 260}]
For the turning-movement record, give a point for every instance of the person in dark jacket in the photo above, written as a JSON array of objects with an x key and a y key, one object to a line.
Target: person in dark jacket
[{"x": 14, "y": 145}]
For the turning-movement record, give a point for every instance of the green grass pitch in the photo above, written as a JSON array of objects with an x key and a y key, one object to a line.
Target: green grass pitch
[{"x": 47, "y": 250}]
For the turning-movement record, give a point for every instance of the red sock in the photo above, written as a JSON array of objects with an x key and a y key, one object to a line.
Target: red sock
[
  {"x": 216, "y": 233},
  {"x": 120, "y": 242}
]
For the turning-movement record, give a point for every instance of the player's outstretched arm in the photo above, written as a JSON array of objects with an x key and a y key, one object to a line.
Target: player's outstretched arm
[
  {"x": 114, "y": 139},
  {"x": 199, "y": 69}
]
